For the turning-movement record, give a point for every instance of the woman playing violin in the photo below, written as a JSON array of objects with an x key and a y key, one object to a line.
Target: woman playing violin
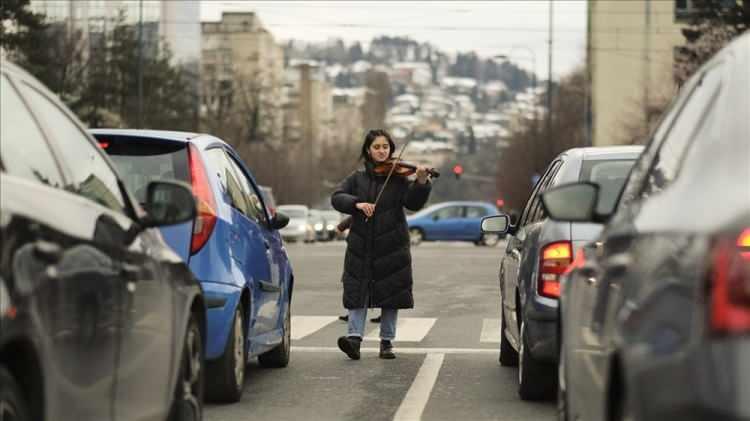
[{"x": 377, "y": 266}]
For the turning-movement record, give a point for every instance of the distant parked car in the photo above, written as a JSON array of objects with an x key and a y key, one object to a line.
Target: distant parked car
[
  {"x": 331, "y": 219},
  {"x": 656, "y": 312},
  {"x": 538, "y": 251},
  {"x": 268, "y": 199},
  {"x": 299, "y": 228},
  {"x": 233, "y": 247},
  {"x": 99, "y": 318},
  {"x": 452, "y": 221},
  {"x": 318, "y": 224}
]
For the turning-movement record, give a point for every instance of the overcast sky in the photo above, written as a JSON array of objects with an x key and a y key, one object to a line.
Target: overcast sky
[{"x": 488, "y": 27}]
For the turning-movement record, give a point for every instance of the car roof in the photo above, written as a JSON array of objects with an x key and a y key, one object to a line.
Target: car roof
[
  {"x": 605, "y": 152},
  {"x": 175, "y": 136},
  {"x": 462, "y": 203}
]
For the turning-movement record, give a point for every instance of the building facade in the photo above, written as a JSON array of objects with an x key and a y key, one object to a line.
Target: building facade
[
  {"x": 174, "y": 23},
  {"x": 631, "y": 59},
  {"x": 243, "y": 69}
]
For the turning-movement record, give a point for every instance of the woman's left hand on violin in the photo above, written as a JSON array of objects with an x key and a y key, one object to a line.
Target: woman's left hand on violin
[{"x": 422, "y": 173}]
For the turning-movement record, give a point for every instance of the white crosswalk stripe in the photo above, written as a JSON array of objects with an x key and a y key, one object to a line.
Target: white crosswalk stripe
[
  {"x": 490, "y": 331},
  {"x": 307, "y": 325},
  {"x": 408, "y": 329}
]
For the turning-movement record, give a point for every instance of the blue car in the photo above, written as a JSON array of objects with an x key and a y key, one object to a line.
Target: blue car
[
  {"x": 452, "y": 221},
  {"x": 233, "y": 247}
]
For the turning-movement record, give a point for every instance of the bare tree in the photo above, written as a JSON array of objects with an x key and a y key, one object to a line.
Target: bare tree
[{"x": 531, "y": 148}]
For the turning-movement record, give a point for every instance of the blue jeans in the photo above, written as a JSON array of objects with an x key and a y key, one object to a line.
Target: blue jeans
[{"x": 358, "y": 317}]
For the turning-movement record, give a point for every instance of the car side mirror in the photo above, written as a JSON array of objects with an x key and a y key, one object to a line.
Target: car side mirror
[
  {"x": 168, "y": 203},
  {"x": 496, "y": 224},
  {"x": 574, "y": 202},
  {"x": 279, "y": 221}
]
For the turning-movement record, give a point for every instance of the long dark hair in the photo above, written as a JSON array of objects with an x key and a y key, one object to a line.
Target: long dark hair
[{"x": 370, "y": 137}]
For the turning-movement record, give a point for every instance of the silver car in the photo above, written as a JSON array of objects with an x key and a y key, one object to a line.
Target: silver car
[
  {"x": 299, "y": 228},
  {"x": 538, "y": 251}
]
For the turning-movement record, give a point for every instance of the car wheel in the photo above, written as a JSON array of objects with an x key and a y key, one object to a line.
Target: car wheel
[
  {"x": 508, "y": 355},
  {"x": 536, "y": 381},
  {"x": 279, "y": 356},
  {"x": 490, "y": 240},
  {"x": 12, "y": 405},
  {"x": 188, "y": 404},
  {"x": 415, "y": 236},
  {"x": 226, "y": 377}
]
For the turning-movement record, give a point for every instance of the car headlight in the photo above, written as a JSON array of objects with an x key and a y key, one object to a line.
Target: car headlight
[
  {"x": 318, "y": 226},
  {"x": 301, "y": 228},
  {"x": 330, "y": 227}
]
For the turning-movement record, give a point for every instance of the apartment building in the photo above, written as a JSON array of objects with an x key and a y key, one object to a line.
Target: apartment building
[
  {"x": 175, "y": 23},
  {"x": 630, "y": 59},
  {"x": 242, "y": 66}
]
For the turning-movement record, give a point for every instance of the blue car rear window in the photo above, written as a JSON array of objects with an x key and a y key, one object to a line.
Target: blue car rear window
[{"x": 139, "y": 161}]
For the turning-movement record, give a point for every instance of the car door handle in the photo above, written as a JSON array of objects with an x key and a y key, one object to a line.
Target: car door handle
[
  {"x": 590, "y": 280},
  {"x": 47, "y": 251}
]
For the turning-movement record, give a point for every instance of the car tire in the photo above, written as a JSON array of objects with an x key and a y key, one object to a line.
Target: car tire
[
  {"x": 279, "y": 356},
  {"x": 188, "y": 403},
  {"x": 536, "y": 381},
  {"x": 416, "y": 236},
  {"x": 508, "y": 354},
  {"x": 226, "y": 375},
  {"x": 12, "y": 404}
]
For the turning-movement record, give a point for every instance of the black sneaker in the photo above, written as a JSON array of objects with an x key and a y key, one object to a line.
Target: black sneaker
[
  {"x": 350, "y": 346},
  {"x": 376, "y": 319},
  {"x": 345, "y": 317},
  {"x": 386, "y": 350}
]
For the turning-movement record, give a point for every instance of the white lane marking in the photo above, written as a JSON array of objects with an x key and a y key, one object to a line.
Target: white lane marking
[
  {"x": 490, "y": 331},
  {"x": 416, "y": 398},
  {"x": 400, "y": 350},
  {"x": 408, "y": 329},
  {"x": 307, "y": 325}
]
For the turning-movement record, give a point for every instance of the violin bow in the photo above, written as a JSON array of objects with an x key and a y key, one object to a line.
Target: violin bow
[{"x": 390, "y": 173}]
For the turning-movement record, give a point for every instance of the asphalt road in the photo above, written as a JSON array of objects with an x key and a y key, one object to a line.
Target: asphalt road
[{"x": 446, "y": 366}]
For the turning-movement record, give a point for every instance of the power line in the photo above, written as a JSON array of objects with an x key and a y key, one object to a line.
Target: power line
[{"x": 614, "y": 30}]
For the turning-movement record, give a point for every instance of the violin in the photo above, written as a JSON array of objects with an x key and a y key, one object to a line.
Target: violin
[{"x": 402, "y": 168}]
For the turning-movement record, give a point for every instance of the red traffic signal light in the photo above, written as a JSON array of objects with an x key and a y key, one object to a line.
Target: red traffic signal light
[
  {"x": 500, "y": 203},
  {"x": 458, "y": 170}
]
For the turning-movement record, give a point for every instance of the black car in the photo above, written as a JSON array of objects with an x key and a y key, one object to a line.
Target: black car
[
  {"x": 656, "y": 312},
  {"x": 99, "y": 319},
  {"x": 538, "y": 251}
]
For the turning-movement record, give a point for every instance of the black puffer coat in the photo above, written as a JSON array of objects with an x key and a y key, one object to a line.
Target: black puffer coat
[{"x": 377, "y": 266}]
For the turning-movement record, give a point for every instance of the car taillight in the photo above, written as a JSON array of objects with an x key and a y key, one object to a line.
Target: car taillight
[
  {"x": 556, "y": 257},
  {"x": 204, "y": 199},
  {"x": 730, "y": 284}
]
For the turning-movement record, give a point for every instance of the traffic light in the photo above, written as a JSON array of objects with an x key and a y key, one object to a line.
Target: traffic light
[
  {"x": 500, "y": 203},
  {"x": 458, "y": 170}
]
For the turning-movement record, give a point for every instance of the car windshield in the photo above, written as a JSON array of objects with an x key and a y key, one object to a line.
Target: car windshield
[
  {"x": 610, "y": 175},
  {"x": 293, "y": 212},
  {"x": 142, "y": 161}
]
